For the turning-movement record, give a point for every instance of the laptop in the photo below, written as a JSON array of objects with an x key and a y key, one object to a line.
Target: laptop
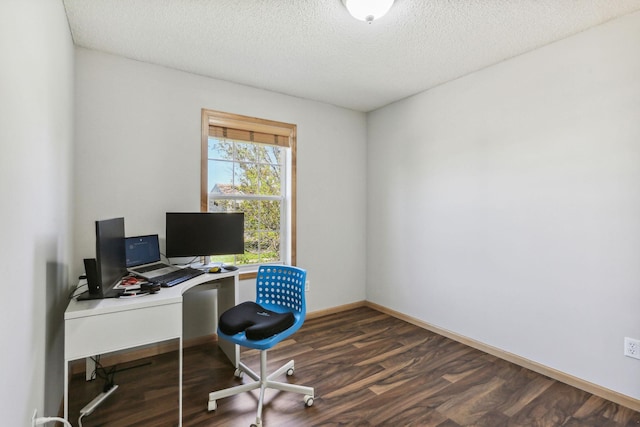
[{"x": 143, "y": 257}]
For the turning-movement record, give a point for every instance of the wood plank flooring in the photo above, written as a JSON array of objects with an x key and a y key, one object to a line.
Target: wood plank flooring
[{"x": 368, "y": 369}]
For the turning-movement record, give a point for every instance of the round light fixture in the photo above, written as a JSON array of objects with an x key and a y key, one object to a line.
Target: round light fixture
[{"x": 367, "y": 10}]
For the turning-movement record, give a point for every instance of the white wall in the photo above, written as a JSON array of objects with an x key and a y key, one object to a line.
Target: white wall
[
  {"x": 504, "y": 206},
  {"x": 36, "y": 112},
  {"x": 138, "y": 156}
]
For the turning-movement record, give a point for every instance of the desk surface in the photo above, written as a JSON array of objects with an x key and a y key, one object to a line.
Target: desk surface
[
  {"x": 96, "y": 326},
  {"x": 172, "y": 295}
]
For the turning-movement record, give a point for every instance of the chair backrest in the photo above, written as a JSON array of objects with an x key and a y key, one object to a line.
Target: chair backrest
[{"x": 281, "y": 288}]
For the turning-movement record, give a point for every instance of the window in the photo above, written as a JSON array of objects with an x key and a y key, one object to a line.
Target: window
[{"x": 248, "y": 165}]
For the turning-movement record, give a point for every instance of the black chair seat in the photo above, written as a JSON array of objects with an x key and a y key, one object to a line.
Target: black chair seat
[{"x": 256, "y": 321}]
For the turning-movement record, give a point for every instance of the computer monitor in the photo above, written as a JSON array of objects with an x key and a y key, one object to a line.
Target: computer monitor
[
  {"x": 204, "y": 233},
  {"x": 110, "y": 259}
]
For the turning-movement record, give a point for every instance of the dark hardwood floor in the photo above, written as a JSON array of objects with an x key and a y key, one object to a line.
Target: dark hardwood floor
[{"x": 368, "y": 369}]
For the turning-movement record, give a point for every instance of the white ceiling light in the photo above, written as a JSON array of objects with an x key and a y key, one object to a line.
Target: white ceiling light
[{"x": 367, "y": 10}]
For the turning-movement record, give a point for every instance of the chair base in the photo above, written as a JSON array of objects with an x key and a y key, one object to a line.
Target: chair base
[{"x": 262, "y": 382}]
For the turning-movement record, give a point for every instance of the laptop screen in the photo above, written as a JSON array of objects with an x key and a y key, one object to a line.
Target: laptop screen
[{"x": 141, "y": 250}]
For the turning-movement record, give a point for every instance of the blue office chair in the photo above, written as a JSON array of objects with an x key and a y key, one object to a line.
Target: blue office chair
[{"x": 278, "y": 312}]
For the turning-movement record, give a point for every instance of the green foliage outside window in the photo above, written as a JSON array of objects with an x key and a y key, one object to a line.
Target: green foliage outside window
[{"x": 247, "y": 177}]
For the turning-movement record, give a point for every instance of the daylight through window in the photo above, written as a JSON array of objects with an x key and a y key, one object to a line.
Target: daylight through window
[{"x": 248, "y": 165}]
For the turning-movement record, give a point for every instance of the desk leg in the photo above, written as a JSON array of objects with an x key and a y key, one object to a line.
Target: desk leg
[
  {"x": 66, "y": 390},
  {"x": 227, "y": 298},
  {"x": 180, "y": 383}
]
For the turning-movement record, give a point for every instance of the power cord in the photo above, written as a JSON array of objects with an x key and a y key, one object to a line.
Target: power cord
[
  {"x": 73, "y": 293},
  {"x": 107, "y": 375}
]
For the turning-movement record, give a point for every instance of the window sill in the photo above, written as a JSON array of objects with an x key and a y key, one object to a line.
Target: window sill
[
  {"x": 251, "y": 271},
  {"x": 248, "y": 274}
]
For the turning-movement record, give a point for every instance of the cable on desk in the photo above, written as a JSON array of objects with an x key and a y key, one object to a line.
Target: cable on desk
[{"x": 73, "y": 294}]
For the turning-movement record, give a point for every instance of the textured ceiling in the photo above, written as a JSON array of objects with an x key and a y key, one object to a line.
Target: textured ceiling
[{"x": 314, "y": 49}]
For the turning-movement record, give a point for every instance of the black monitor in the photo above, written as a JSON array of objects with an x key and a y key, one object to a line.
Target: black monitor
[
  {"x": 204, "y": 233},
  {"x": 110, "y": 259}
]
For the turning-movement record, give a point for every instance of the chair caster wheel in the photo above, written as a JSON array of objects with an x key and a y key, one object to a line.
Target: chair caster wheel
[
  {"x": 290, "y": 372},
  {"x": 238, "y": 373},
  {"x": 212, "y": 405},
  {"x": 308, "y": 401}
]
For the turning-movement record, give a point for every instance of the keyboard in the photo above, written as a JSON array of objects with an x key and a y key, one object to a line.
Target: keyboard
[{"x": 177, "y": 277}]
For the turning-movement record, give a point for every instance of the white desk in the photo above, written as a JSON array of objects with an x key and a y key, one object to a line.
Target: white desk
[{"x": 101, "y": 326}]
